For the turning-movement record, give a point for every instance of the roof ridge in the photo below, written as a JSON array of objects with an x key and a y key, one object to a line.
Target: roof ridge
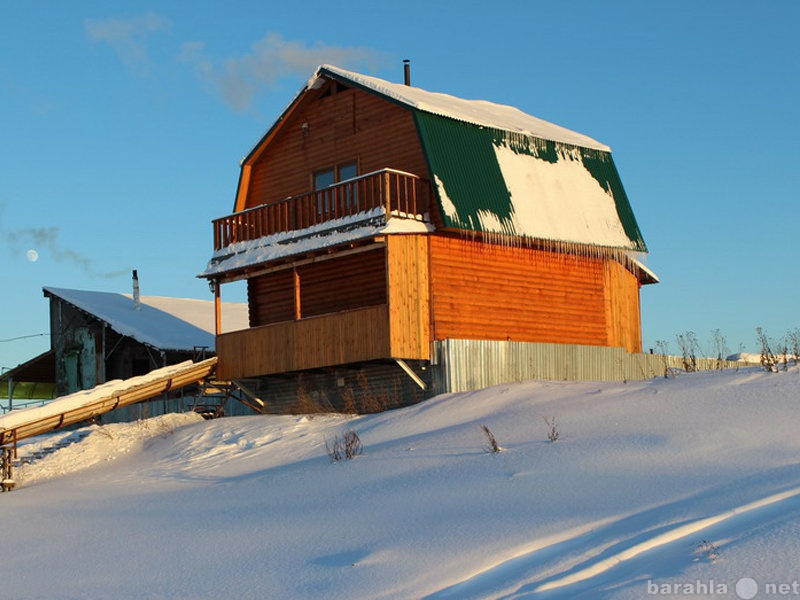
[{"x": 484, "y": 113}]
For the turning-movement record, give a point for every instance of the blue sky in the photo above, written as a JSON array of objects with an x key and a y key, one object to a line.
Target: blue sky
[{"x": 123, "y": 124}]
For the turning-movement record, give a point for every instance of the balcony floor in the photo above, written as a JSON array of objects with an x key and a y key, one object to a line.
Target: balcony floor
[{"x": 240, "y": 256}]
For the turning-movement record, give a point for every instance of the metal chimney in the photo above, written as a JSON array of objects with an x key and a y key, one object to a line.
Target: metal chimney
[
  {"x": 406, "y": 71},
  {"x": 136, "y": 302}
]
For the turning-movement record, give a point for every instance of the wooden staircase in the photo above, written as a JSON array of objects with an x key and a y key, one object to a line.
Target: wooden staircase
[{"x": 214, "y": 395}]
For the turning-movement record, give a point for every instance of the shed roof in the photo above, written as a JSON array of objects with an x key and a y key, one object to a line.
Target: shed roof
[{"x": 160, "y": 322}]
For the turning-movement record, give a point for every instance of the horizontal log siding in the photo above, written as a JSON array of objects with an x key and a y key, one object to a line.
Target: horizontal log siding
[
  {"x": 336, "y": 339},
  {"x": 486, "y": 291},
  {"x": 622, "y": 307},
  {"x": 328, "y": 286},
  {"x": 409, "y": 298},
  {"x": 270, "y": 298},
  {"x": 347, "y": 126},
  {"x": 344, "y": 283}
]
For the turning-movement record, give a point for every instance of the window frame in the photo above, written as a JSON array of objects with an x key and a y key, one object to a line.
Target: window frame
[{"x": 324, "y": 204}]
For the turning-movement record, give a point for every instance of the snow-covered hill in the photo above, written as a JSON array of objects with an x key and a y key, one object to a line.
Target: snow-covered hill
[{"x": 682, "y": 487}]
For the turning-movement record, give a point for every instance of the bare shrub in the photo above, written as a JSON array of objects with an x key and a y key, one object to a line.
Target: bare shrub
[
  {"x": 793, "y": 339},
  {"x": 769, "y": 360},
  {"x": 371, "y": 401},
  {"x": 344, "y": 447},
  {"x": 349, "y": 401},
  {"x": 719, "y": 346},
  {"x": 367, "y": 398},
  {"x": 492, "y": 445},
  {"x": 309, "y": 402},
  {"x": 709, "y": 550},
  {"x": 689, "y": 347},
  {"x": 553, "y": 433}
]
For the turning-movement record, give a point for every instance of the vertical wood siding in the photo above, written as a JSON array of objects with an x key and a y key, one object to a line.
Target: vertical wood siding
[
  {"x": 336, "y": 339},
  {"x": 409, "y": 300},
  {"x": 347, "y": 126},
  {"x": 622, "y": 307}
]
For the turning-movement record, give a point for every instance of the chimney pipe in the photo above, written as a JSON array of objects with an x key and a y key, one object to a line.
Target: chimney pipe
[
  {"x": 406, "y": 71},
  {"x": 136, "y": 302}
]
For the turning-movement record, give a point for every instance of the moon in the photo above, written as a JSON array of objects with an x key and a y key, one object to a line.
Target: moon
[{"x": 32, "y": 255}]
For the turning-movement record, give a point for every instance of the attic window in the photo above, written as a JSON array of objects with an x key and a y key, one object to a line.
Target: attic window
[{"x": 334, "y": 87}]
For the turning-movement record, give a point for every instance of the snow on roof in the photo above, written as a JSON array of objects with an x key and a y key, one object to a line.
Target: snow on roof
[
  {"x": 161, "y": 322},
  {"x": 558, "y": 201},
  {"x": 477, "y": 112}
]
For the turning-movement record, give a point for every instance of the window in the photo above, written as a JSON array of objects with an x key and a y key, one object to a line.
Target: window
[
  {"x": 348, "y": 171},
  {"x": 344, "y": 199},
  {"x": 323, "y": 179}
]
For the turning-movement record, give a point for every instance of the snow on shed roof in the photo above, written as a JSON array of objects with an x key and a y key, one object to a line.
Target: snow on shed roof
[
  {"x": 161, "y": 322},
  {"x": 476, "y": 112}
]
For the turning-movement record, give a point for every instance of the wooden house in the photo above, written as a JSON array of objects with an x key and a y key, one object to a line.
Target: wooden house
[{"x": 375, "y": 223}]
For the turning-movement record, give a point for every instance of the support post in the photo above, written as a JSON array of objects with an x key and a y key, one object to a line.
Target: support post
[
  {"x": 7, "y": 470},
  {"x": 298, "y": 311},
  {"x": 409, "y": 371},
  {"x": 217, "y": 308},
  {"x": 387, "y": 195}
]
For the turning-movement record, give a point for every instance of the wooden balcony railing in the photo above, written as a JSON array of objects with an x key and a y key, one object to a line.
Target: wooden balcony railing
[{"x": 400, "y": 194}]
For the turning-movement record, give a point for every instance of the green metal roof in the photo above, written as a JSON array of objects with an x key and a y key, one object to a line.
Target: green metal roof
[
  {"x": 498, "y": 170},
  {"x": 494, "y": 181}
]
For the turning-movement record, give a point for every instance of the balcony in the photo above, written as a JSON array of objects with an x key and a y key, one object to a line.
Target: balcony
[{"x": 399, "y": 194}]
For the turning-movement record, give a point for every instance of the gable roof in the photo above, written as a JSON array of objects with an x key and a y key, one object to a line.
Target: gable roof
[
  {"x": 161, "y": 322},
  {"x": 497, "y": 170}
]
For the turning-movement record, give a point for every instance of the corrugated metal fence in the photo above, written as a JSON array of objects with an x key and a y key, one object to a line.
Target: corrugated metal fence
[{"x": 465, "y": 365}]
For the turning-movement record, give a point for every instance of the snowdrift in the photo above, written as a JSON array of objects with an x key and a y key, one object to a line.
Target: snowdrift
[{"x": 676, "y": 487}]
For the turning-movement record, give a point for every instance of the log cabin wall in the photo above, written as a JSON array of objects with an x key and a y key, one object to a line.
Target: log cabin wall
[
  {"x": 328, "y": 286},
  {"x": 330, "y": 129},
  {"x": 271, "y": 297},
  {"x": 486, "y": 291},
  {"x": 344, "y": 283}
]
